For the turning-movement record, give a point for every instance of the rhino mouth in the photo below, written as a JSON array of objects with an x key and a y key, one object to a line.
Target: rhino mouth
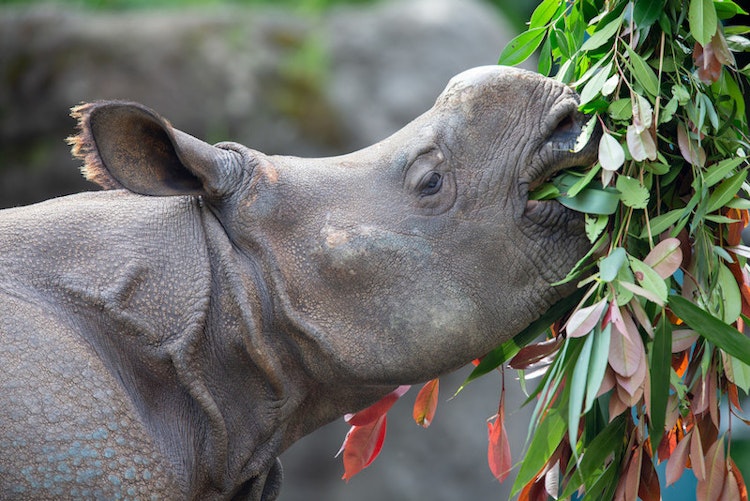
[{"x": 556, "y": 153}]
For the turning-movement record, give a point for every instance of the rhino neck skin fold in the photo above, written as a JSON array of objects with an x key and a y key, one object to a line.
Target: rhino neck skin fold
[{"x": 170, "y": 336}]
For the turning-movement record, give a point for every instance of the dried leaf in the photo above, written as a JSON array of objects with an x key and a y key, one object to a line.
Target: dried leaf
[
  {"x": 665, "y": 258},
  {"x": 426, "y": 403},
  {"x": 379, "y": 408},
  {"x": 362, "y": 445}
]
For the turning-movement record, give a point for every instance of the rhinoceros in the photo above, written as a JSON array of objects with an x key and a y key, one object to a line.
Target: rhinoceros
[{"x": 169, "y": 336}]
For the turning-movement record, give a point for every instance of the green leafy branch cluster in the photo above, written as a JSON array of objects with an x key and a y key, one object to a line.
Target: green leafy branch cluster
[{"x": 636, "y": 364}]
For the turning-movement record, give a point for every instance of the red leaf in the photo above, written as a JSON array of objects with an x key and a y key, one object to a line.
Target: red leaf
[
  {"x": 533, "y": 491},
  {"x": 379, "y": 408},
  {"x": 677, "y": 461},
  {"x": 627, "y": 489},
  {"x": 648, "y": 489},
  {"x": 716, "y": 472},
  {"x": 533, "y": 353},
  {"x": 498, "y": 449},
  {"x": 426, "y": 403},
  {"x": 362, "y": 445}
]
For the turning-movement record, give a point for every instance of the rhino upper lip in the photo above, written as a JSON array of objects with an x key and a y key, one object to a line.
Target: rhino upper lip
[{"x": 557, "y": 155}]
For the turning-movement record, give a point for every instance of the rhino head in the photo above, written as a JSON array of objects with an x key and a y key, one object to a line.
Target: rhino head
[{"x": 390, "y": 265}]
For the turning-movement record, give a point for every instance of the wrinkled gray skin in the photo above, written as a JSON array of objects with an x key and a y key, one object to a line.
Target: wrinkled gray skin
[{"x": 170, "y": 346}]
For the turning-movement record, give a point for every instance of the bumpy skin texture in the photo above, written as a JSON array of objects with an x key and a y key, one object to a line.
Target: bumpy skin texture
[{"x": 168, "y": 338}]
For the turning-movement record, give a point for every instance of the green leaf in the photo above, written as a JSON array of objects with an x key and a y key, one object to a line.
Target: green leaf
[
  {"x": 632, "y": 193},
  {"x": 521, "y": 47},
  {"x": 578, "y": 388},
  {"x": 728, "y": 295},
  {"x": 543, "y": 13},
  {"x": 702, "y": 19},
  {"x": 620, "y": 109},
  {"x": 611, "y": 264},
  {"x": 579, "y": 185},
  {"x": 661, "y": 223},
  {"x": 726, "y": 191},
  {"x": 595, "y": 226},
  {"x": 646, "y": 12},
  {"x": 546, "y": 438},
  {"x": 738, "y": 372},
  {"x": 597, "y": 364},
  {"x": 661, "y": 366},
  {"x": 594, "y": 86},
  {"x": 648, "y": 278},
  {"x": 719, "y": 171},
  {"x": 593, "y": 201},
  {"x": 714, "y": 330},
  {"x": 600, "y": 37},
  {"x": 643, "y": 73},
  {"x": 546, "y": 191}
]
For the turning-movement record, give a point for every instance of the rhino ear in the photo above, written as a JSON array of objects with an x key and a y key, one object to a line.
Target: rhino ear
[{"x": 127, "y": 145}]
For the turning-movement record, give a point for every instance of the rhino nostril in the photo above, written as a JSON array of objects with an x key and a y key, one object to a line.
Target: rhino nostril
[{"x": 565, "y": 126}]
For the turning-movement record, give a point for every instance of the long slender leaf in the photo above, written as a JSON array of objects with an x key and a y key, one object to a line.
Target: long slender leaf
[
  {"x": 661, "y": 359},
  {"x": 521, "y": 47},
  {"x": 717, "y": 332},
  {"x": 578, "y": 388},
  {"x": 547, "y": 437}
]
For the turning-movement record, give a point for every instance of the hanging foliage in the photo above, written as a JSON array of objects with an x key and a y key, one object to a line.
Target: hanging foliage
[{"x": 634, "y": 367}]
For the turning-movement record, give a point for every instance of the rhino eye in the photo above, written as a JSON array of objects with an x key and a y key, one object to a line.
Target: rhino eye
[{"x": 431, "y": 183}]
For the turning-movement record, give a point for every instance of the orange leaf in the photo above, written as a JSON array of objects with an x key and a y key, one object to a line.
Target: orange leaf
[
  {"x": 362, "y": 445},
  {"x": 734, "y": 475},
  {"x": 426, "y": 403},
  {"x": 677, "y": 461},
  {"x": 379, "y": 408},
  {"x": 667, "y": 445},
  {"x": 716, "y": 472},
  {"x": 734, "y": 233},
  {"x": 498, "y": 449}
]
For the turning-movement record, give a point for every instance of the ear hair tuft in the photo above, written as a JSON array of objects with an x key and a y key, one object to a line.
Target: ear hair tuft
[{"x": 83, "y": 147}]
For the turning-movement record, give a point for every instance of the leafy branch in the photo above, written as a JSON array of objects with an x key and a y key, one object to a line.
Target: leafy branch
[{"x": 633, "y": 367}]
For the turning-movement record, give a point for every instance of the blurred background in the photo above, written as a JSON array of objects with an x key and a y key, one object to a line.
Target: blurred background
[{"x": 311, "y": 78}]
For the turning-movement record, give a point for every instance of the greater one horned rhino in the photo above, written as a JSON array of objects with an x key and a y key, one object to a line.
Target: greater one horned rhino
[{"x": 169, "y": 337}]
